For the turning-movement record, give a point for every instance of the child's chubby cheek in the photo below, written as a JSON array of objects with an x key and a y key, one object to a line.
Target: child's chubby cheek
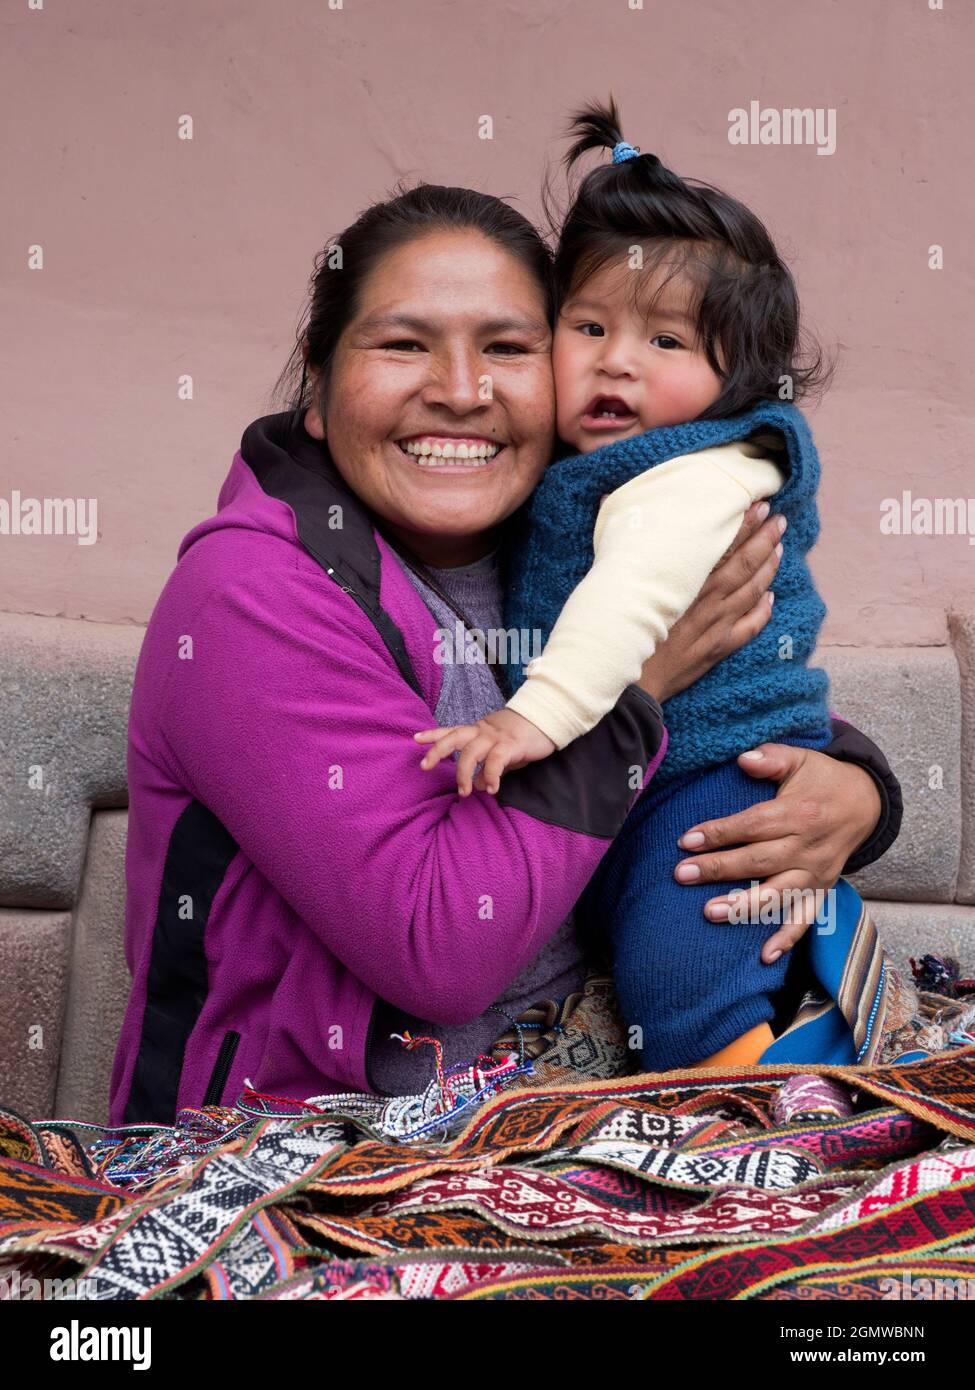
[
  {"x": 570, "y": 402},
  {"x": 680, "y": 393}
]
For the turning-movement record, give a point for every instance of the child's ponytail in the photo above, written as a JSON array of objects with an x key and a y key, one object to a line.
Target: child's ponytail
[{"x": 598, "y": 127}]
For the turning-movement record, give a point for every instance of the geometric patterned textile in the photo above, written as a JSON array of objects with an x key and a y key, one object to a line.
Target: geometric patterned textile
[
  {"x": 782, "y": 1181},
  {"x": 684, "y": 1186},
  {"x": 930, "y": 1221},
  {"x": 170, "y": 1238}
]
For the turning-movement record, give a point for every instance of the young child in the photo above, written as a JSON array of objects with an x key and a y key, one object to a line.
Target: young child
[{"x": 676, "y": 342}]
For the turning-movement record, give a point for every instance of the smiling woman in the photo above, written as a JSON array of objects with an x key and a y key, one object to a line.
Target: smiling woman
[
  {"x": 423, "y": 384},
  {"x": 299, "y": 890}
]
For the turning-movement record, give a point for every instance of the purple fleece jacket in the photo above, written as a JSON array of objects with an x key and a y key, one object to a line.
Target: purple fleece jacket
[{"x": 288, "y": 862}]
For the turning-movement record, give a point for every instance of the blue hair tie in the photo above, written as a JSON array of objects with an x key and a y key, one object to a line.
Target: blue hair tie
[{"x": 623, "y": 152}]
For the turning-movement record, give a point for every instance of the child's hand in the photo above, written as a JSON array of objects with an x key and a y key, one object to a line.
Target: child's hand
[{"x": 501, "y": 741}]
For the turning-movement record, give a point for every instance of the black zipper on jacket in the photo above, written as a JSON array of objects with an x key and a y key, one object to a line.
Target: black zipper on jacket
[
  {"x": 380, "y": 621},
  {"x": 221, "y": 1068}
]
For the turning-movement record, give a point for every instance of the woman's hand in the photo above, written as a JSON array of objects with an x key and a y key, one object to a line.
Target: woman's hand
[
  {"x": 730, "y": 610},
  {"x": 823, "y": 811}
]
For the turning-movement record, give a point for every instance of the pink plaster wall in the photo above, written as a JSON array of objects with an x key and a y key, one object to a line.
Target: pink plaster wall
[{"x": 165, "y": 256}]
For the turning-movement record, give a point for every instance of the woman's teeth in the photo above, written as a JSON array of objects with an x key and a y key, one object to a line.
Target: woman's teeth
[{"x": 431, "y": 453}]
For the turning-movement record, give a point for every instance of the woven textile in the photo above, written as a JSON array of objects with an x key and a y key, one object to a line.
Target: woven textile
[
  {"x": 172, "y": 1238},
  {"x": 908, "y": 1280},
  {"x": 582, "y": 1036},
  {"x": 860, "y": 1007},
  {"x": 812, "y": 1097},
  {"x": 688, "y": 1185},
  {"x": 30, "y": 1194},
  {"x": 926, "y": 1222},
  {"x": 534, "y": 1176}
]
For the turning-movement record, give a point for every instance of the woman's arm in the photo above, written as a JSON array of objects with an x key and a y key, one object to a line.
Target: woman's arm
[
  {"x": 851, "y": 746},
  {"x": 293, "y": 725}
]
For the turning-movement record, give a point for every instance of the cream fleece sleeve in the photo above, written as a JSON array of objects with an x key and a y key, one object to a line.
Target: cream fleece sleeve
[{"x": 656, "y": 540}]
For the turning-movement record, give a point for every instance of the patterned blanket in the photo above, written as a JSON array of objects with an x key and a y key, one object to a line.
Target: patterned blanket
[
  {"x": 765, "y": 1182},
  {"x": 527, "y": 1176}
]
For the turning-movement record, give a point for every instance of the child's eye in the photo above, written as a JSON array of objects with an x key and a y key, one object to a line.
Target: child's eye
[
  {"x": 665, "y": 340},
  {"x": 597, "y": 326}
]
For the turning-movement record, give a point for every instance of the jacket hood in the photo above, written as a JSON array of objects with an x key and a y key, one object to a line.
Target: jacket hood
[
  {"x": 280, "y": 463},
  {"x": 283, "y": 482}
]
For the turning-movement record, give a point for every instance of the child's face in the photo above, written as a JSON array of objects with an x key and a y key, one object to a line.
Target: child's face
[{"x": 607, "y": 353}]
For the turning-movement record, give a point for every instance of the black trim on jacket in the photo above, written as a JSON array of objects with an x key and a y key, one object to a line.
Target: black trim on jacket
[
  {"x": 576, "y": 775},
  {"x": 197, "y": 858},
  {"x": 851, "y": 746}
]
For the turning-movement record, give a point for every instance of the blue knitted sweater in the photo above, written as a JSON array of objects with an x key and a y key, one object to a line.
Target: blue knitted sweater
[{"x": 765, "y": 691}]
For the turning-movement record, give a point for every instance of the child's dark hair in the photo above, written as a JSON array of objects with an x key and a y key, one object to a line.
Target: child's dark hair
[{"x": 744, "y": 298}]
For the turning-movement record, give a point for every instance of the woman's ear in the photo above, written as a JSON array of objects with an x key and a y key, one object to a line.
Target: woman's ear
[
  {"x": 314, "y": 419},
  {"x": 314, "y": 423}
]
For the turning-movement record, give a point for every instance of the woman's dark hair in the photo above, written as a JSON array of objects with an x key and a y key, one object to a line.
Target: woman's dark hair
[
  {"x": 743, "y": 296},
  {"x": 345, "y": 262}
]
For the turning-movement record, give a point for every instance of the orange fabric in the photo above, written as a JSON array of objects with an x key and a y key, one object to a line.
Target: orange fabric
[{"x": 744, "y": 1051}]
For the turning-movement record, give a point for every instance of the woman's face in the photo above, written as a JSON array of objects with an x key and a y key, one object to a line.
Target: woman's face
[{"x": 440, "y": 406}]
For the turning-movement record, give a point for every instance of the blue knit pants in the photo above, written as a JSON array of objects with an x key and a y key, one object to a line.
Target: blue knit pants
[{"x": 686, "y": 986}]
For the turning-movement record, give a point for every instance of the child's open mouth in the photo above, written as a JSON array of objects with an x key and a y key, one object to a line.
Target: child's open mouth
[{"x": 608, "y": 413}]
